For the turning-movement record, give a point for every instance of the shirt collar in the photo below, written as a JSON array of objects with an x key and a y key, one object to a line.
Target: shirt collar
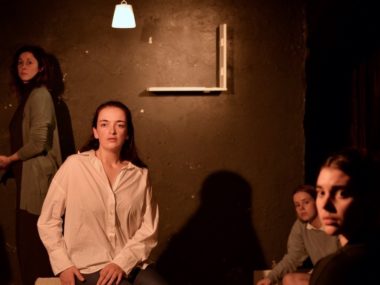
[
  {"x": 95, "y": 160},
  {"x": 311, "y": 227}
]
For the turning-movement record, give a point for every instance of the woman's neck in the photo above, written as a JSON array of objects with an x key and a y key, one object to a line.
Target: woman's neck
[
  {"x": 108, "y": 157},
  {"x": 316, "y": 222},
  {"x": 111, "y": 164}
]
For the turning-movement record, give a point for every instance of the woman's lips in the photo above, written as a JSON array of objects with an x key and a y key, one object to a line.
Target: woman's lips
[{"x": 329, "y": 221}]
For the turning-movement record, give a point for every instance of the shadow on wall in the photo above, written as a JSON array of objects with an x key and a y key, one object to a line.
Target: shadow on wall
[
  {"x": 5, "y": 272},
  {"x": 218, "y": 245}
]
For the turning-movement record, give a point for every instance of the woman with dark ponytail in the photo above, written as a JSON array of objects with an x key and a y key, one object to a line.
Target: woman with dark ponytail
[{"x": 110, "y": 215}]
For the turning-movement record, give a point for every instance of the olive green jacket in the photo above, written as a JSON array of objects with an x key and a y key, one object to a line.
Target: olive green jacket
[{"x": 40, "y": 153}]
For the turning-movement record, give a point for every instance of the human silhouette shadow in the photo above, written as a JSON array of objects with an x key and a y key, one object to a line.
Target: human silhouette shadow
[
  {"x": 5, "y": 272},
  {"x": 64, "y": 124},
  {"x": 218, "y": 245}
]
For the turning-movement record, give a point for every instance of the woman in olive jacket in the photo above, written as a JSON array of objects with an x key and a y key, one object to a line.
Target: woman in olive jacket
[{"x": 35, "y": 156}]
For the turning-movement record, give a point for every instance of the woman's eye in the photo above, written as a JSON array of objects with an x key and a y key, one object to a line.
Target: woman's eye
[
  {"x": 342, "y": 193},
  {"x": 320, "y": 193}
]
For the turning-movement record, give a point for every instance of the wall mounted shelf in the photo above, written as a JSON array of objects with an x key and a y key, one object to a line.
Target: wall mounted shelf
[{"x": 222, "y": 71}]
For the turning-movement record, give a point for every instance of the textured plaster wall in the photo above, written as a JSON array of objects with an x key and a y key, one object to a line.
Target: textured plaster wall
[{"x": 254, "y": 130}]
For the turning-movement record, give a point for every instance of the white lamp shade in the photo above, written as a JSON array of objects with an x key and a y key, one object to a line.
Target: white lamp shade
[{"x": 123, "y": 17}]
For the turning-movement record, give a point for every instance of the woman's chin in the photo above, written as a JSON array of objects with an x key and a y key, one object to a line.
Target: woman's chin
[{"x": 331, "y": 230}]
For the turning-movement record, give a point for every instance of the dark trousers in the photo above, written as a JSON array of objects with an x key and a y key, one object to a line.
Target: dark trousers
[
  {"x": 32, "y": 255},
  {"x": 147, "y": 276}
]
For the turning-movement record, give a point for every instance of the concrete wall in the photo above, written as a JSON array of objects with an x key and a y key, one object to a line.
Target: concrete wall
[{"x": 243, "y": 148}]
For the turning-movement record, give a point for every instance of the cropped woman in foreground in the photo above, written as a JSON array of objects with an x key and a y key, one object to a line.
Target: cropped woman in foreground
[{"x": 348, "y": 205}]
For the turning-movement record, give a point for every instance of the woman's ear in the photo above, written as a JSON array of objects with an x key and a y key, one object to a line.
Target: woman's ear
[
  {"x": 95, "y": 132},
  {"x": 41, "y": 69}
]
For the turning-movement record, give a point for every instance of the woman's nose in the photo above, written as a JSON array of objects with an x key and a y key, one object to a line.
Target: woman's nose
[{"x": 328, "y": 205}]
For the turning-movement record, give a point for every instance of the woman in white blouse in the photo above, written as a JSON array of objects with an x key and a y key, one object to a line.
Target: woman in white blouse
[{"x": 110, "y": 218}]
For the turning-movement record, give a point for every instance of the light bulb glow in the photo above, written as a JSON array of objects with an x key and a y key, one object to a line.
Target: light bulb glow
[{"x": 123, "y": 17}]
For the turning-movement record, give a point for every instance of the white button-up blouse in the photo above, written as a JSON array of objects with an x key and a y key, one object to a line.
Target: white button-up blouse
[{"x": 102, "y": 224}]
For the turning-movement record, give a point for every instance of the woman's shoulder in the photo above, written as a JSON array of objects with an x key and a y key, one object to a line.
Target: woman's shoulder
[
  {"x": 348, "y": 257},
  {"x": 81, "y": 155},
  {"x": 40, "y": 91},
  {"x": 348, "y": 265},
  {"x": 299, "y": 225},
  {"x": 76, "y": 162},
  {"x": 131, "y": 166},
  {"x": 39, "y": 95}
]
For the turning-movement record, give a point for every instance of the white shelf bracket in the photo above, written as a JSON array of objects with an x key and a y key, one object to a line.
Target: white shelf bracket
[{"x": 223, "y": 56}]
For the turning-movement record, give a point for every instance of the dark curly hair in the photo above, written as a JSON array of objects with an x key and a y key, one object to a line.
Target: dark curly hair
[{"x": 50, "y": 74}]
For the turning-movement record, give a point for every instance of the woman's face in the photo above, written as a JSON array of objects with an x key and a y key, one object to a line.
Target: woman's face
[
  {"x": 27, "y": 66},
  {"x": 305, "y": 206},
  {"x": 111, "y": 129},
  {"x": 335, "y": 203}
]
